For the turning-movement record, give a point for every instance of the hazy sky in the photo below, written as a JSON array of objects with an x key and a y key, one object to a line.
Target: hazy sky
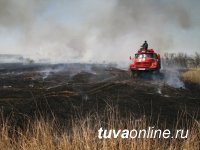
[{"x": 89, "y": 30}]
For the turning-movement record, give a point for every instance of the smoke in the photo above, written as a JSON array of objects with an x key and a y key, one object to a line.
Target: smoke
[
  {"x": 20, "y": 14},
  {"x": 172, "y": 78},
  {"x": 172, "y": 73},
  {"x": 83, "y": 31}
]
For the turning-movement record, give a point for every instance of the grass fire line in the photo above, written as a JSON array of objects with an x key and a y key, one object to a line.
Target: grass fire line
[{"x": 141, "y": 133}]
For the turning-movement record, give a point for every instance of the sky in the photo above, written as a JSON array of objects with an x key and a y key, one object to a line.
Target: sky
[{"x": 97, "y": 31}]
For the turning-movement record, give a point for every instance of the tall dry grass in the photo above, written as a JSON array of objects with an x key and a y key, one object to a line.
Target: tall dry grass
[
  {"x": 81, "y": 133},
  {"x": 192, "y": 75}
]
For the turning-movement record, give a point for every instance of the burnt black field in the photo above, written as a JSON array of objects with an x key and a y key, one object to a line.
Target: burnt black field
[{"x": 68, "y": 90}]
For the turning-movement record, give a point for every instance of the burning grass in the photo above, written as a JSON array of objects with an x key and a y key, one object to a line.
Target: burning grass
[
  {"x": 192, "y": 75},
  {"x": 82, "y": 133}
]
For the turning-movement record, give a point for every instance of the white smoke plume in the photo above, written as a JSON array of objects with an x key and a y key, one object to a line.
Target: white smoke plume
[{"x": 96, "y": 31}]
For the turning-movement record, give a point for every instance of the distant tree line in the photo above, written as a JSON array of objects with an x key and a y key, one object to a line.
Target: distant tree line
[{"x": 181, "y": 60}]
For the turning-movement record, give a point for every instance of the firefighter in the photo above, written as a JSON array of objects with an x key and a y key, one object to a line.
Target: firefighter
[{"x": 144, "y": 46}]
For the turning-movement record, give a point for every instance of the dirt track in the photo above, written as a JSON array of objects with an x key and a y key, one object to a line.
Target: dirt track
[{"x": 68, "y": 89}]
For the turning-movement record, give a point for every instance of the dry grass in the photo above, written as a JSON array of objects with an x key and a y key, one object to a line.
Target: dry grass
[
  {"x": 192, "y": 75},
  {"x": 82, "y": 134}
]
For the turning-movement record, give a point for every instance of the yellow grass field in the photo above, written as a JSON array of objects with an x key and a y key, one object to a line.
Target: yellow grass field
[
  {"x": 192, "y": 75},
  {"x": 82, "y": 135}
]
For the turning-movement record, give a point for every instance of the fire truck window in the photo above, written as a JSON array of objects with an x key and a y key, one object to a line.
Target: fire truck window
[
  {"x": 140, "y": 56},
  {"x": 148, "y": 55},
  {"x": 145, "y": 56}
]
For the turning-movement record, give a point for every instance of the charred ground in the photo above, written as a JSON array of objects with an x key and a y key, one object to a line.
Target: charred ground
[{"x": 66, "y": 90}]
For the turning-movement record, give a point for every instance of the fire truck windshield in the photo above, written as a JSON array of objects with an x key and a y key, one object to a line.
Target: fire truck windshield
[{"x": 145, "y": 55}]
